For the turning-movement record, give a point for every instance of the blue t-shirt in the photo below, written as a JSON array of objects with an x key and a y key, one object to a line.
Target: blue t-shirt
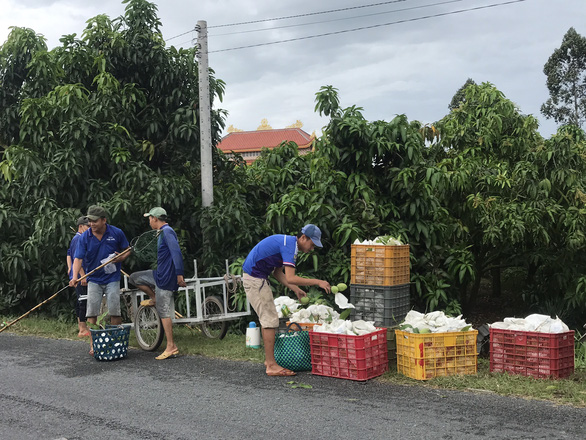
[
  {"x": 92, "y": 251},
  {"x": 71, "y": 252},
  {"x": 169, "y": 260},
  {"x": 272, "y": 252}
]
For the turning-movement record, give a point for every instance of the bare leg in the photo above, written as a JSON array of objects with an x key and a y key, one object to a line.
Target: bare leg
[
  {"x": 168, "y": 327},
  {"x": 146, "y": 289},
  {"x": 92, "y": 320},
  {"x": 268, "y": 337},
  {"x": 83, "y": 330}
]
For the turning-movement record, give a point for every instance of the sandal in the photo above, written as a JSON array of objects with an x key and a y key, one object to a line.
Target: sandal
[
  {"x": 283, "y": 372},
  {"x": 167, "y": 354}
]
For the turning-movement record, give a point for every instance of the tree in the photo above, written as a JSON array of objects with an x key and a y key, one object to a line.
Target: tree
[
  {"x": 460, "y": 96},
  {"x": 566, "y": 81},
  {"x": 110, "y": 118}
]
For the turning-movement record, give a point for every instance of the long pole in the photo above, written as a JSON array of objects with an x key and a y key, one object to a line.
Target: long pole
[
  {"x": 62, "y": 289},
  {"x": 205, "y": 113}
]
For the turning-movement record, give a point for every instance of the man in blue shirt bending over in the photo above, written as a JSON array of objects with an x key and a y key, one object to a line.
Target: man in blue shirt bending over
[
  {"x": 271, "y": 255},
  {"x": 99, "y": 244},
  {"x": 161, "y": 283}
]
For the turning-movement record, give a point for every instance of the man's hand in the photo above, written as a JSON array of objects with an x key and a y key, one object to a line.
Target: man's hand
[
  {"x": 84, "y": 282},
  {"x": 73, "y": 282},
  {"x": 298, "y": 291},
  {"x": 324, "y": 285},
  {"x": 181, "y": 281}
]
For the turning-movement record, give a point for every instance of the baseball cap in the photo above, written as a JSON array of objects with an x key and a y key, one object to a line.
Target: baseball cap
[
  {"x": 156, "y": 212},
  {"x": 314, "y": 233},
  {"x": 82, "y": 221},
  {"x": 96, "y": 212}
]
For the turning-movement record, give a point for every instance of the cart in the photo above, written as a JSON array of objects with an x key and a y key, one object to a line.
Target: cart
[{"x": 206, "y": 302}]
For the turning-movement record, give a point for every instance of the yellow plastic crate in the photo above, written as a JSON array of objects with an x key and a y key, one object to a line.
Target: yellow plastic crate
[
  {"x": 429, "y": 355},
  {"x": 378, "y": 265}
]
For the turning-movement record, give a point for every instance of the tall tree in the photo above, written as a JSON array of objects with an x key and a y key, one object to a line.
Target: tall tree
[
  {"x": 566, "y": 81},
  {"x": 460, "y": 96},
  {"x": 110, "y": 118}
]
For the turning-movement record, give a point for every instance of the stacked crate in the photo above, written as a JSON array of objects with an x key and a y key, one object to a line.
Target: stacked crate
[{"x": 380, "y": 290}]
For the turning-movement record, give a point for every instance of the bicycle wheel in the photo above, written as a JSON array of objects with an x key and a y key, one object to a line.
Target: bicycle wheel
[
  {"x": 213, "y": 306},
  {"x": 148, "y": 328}
]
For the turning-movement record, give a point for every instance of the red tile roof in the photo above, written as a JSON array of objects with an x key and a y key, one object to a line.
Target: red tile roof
[{"x": 255, "y": 140}]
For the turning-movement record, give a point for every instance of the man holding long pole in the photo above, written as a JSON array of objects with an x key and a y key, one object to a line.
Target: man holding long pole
[{"x": 97, "y": 245}]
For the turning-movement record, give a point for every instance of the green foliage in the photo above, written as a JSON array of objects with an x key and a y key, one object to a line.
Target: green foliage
[
  {"x": 460, "y": 95},
  {"x": 566, "y": 81},
  {"x": 111, "y": 118}
]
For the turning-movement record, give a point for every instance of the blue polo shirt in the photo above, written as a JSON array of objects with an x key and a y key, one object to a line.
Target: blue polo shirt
[
  {"x": 92, "y": 251},
  {"x": 169, "y": 260},
  {"x": 272, "y": 252},
  {"x": 71, "y": 252}
]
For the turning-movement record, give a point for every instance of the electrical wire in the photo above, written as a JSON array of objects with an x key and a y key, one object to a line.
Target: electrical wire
[
  {"x": 307, "y": 15},
  {"x": 287, "y": 17},
  {"x": 369, "y": 27},
  {"x": 338, "y": 19}
]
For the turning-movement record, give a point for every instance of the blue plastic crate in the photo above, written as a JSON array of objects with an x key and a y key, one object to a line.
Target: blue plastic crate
[{"x": 111, "y": 343}]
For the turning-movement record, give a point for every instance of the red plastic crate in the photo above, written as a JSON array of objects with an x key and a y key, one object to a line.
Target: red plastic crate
[
  {"x": 349, "y": 357},
  {"x": 540, "y": 355}
]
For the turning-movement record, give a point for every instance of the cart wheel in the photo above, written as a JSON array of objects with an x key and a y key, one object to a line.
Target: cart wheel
[
  {"x": 213, "y": 306},
  {"x": 148, "y": 328}
]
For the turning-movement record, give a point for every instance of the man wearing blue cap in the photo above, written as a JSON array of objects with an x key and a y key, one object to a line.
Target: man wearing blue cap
[{"x": 268, "y": 257}]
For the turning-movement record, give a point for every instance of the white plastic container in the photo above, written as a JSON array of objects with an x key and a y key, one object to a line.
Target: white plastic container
[{"x": 253, "y": 336}]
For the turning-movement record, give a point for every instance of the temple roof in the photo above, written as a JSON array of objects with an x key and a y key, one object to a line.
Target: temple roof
[{"x": 255, "y": 140}]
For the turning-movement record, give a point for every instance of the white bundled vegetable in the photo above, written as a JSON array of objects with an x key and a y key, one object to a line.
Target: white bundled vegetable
[
  {"x": 289, "y": 303},
  {"x": 434, "y": 322},
  {"x": 352, "y": 328},
  {"x": 316, "y": 314},
  {"x": 384, "y": 240},
  {"x": 533, "y": 323}
]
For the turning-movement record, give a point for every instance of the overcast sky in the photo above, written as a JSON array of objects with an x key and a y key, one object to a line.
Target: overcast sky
[{"x": 412, "y": 66}]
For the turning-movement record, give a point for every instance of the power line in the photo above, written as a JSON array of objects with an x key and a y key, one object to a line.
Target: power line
[
  {"x": 307, "y": 15},
  {"x": 369, "y": 27},
  {"x": 338, "y": 19},
  {"x": 287, "y": 17},
  {"x": 180, "y": 35}
]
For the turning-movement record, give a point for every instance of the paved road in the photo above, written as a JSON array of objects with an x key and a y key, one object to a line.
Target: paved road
[{"x": 52, "y": 389}]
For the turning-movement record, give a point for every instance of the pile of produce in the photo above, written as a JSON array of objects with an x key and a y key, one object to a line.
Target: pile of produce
[
  {"x": 315, "y": 314},
  {"x": 533, "y": 323},
  {"x": 352, "y": 328},
  {"x": 384, "y": 240},
  {"x": 285, "y": 306},
  {"x": 434, "y": 322}
]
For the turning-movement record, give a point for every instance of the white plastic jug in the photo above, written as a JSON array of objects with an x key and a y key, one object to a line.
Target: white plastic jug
[{"x": 253, "y": 336}]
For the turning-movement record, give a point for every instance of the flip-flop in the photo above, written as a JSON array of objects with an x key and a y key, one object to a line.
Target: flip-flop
[
  {"x": 167, "y": 355},
  {"x": 84, "y": 334},
  {"x": 282, "y": 372},
  {"x": 147, "y": 303}
]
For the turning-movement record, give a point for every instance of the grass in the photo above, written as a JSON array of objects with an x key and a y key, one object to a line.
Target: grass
[{"x": 570, "y": 391}]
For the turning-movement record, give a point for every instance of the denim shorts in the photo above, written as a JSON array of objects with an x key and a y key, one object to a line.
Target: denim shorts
[
  {"x": 94, "y": 298},
  {"x": 163, "y": 298}
]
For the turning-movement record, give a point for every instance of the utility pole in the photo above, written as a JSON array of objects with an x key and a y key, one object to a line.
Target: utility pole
[{"x": 205, "y": 115}]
